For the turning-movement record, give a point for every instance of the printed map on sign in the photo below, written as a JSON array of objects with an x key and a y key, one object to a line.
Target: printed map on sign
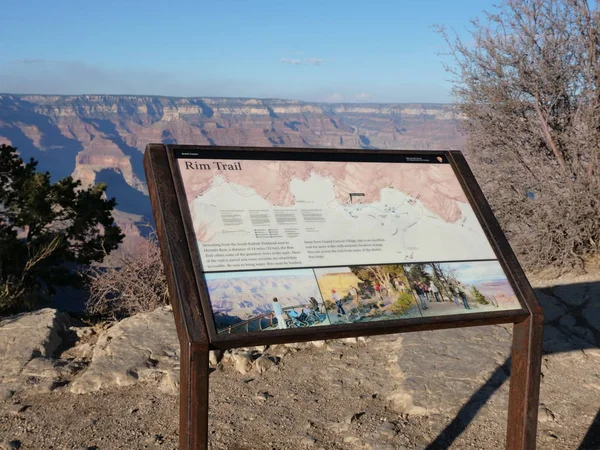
[{"x": 250, "y": 215}]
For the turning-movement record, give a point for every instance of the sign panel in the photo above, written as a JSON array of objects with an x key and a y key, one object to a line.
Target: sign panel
[{"x": 288, "y": 240}]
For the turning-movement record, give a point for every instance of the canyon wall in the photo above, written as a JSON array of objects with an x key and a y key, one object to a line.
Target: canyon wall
[{"x": 101, "y": 138}]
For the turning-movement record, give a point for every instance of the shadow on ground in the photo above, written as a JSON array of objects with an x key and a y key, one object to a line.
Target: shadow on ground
[{"x": 571, "y": 323}]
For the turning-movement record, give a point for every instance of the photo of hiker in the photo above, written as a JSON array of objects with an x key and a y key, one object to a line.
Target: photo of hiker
[
  {"x": 366, "y": 293},
  {"x": 418, "y": 288},
  {"x": 276, "y": 306},
  {"x": 434, "y": 292},
  {"x": 265, "y": 300},
  {"x": 335, "y": 298},
  {"x": 461, "y": 287}
]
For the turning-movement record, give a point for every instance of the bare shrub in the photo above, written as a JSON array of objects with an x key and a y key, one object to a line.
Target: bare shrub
[
  {"x": 528, "y": 82},
  {"x": 128, "y": 283}
]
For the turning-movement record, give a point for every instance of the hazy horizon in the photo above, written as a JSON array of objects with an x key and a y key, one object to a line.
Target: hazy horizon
[{"x": 25, "y": 94}]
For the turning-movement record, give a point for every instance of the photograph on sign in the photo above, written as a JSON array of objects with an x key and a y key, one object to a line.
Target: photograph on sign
[
  {"x": 460, "y": 287},
  {"x": 265, "y": 300},
  {"x": 354, "y": 238},
  {"x": 366, "y": 293}
]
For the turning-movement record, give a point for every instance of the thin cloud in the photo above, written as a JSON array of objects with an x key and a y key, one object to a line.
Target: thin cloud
[
  {"x": 314, "y": 61},
  {"x": 335, "y": 98},
  {"x": 39, "y": 76},
  {"x": 363, "y": 96},
  {"x": 30, "y": 61},
  {"x": 297, "y": 62}
]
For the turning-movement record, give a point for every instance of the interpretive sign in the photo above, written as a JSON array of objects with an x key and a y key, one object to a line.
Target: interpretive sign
[
  {"x": 280, "y": 245},
  {"x": 310, "y": 242}
]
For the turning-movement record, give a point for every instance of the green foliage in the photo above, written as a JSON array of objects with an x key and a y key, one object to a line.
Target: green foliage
[
  {"x": 478, "y": 296},
  {"x": 404, "y": 303},
  {"x": 417, "y": 273},
  {"x": 46, "y": 230},
  {"x": 383, "y": 275}
]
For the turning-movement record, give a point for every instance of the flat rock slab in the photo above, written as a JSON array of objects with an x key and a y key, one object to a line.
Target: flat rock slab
[
  {"x": 442, "y": 369},
  {"x": 26, "y": 336},
  {"x": 142, "y": 348}
]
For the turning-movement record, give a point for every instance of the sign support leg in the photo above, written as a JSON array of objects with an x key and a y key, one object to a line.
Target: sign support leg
[
  {"x": 524, "y": 391},
  {"x": 193, "y": 397}
]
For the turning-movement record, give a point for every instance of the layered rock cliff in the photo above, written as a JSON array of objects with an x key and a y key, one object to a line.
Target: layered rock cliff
[{"x": 102, "y": 137}]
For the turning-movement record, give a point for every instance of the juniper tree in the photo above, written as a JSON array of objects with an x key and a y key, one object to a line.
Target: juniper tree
[{"x": 47, "y": 230}]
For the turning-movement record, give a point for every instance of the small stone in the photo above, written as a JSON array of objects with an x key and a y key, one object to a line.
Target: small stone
[
  {"x": 17, "y": 409},
  {"x": 82, "y": 332},
  {"x": 262, "y": 397},
  {"x": 545, "y": 415},
  {"x": 355, "y": 417},
  {"x": 308, "y": 441},
  {"x": 214, "y": 356},
  {"x": 318, "y": 344},
  {"x": 6, "y": 395},
  {"x": 386, "y": 429},
  {"x": 279, "y": 351},
  {"x": 242, "y": 362},
  {"x": 10, "y": 445},
  {"x": 263, "y": 363},
  {"x": 351, "y": 439}
]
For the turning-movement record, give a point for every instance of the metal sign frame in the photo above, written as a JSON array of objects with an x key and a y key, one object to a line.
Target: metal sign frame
[{"x": 191, "y": 306}]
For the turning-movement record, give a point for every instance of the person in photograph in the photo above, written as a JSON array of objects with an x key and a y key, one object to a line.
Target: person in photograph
[
  {"x": 421, "y": 294},
  {"x": 400, "y": 286},
  {"x": 426, "y": 291},
  {"x": 378, "y": 293},
  {"x": 463, "y": 297},
  {"x": 338, "y": 302},
  {"x": 306, "y": 312},
  {"x": 397, "y": 284},
  {"x": 435, "y": 293},
  {"x": 493, "y": 300},
  {"x": 454, "y": 292},
  {"x": 278, "y": 314}
]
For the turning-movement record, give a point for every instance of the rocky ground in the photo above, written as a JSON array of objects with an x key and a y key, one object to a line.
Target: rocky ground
[{"x": 67, "y": 386}]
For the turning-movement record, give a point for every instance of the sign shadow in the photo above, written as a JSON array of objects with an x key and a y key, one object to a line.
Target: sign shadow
[{"x": 567, "y": 328}]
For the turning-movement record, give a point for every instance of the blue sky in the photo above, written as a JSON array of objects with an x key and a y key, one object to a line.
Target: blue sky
[
  {"x": 477, "y": 271},
  {"x": 326, "y": 50}
]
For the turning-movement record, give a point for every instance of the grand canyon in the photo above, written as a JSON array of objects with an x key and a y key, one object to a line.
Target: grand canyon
[{"x": 101, "y": 138}]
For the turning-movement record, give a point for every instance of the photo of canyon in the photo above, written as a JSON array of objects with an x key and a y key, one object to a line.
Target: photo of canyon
[{"x": 265, "y": 300}]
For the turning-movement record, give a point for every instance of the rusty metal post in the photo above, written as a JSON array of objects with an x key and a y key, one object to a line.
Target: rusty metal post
[
  {"x": 524, "y": 390},
  {"x": 193, "y": 398}
]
